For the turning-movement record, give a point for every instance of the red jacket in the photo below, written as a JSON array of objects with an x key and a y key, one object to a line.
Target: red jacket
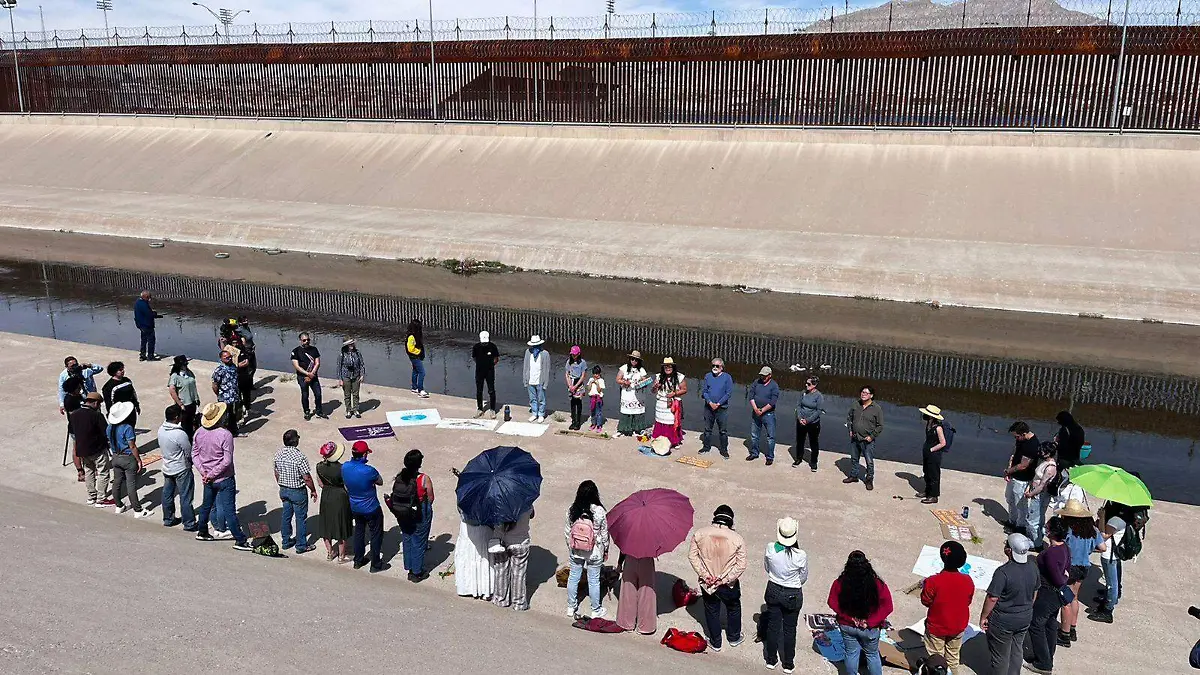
[
  {"x": 948, "y": 596},
  {"x": 876, "y": 619}
]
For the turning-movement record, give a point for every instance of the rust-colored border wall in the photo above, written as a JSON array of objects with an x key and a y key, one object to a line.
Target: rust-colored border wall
[{"x": 1039, "y": 77}]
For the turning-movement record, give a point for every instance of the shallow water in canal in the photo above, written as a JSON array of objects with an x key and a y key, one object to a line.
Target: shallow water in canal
[{"x": 1145, "y": 423}]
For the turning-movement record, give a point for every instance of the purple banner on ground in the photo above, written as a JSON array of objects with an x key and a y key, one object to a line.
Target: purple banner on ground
[{"x": 367, "y": 431}]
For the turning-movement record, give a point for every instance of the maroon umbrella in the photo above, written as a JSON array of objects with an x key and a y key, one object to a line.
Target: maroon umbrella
[{"x": 649, "y": 523}]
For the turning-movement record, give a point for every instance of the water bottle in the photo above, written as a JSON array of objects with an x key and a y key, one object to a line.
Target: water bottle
[
  {"x": 966, "y": 512},
  {"x": 507, "y": 414}
]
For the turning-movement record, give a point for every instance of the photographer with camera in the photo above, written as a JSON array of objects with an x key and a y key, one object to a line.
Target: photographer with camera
[{"x": 84, "y": 371}]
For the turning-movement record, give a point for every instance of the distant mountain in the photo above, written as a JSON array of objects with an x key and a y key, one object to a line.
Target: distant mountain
[{"x": 926, "y": 15}]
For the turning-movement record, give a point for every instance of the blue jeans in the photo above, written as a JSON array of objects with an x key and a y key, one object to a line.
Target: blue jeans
[
  {"x": 859, "y": 643},
  {"x": 1112, "y": 579},
  {"x": 598, "y": 413},
  {"x": 593, "y": 577},
  {"x": 368, "y": 525},
  {"x": 731, "y": 598},
  {"x": 719, "y": 419},
  {"x": 416, "y": 541},
  {"x": 222, "y": 493},
  {"x": 757, "y": 423},
  {"x": 1035, "y": 518},
  {"x": 295, "y": 502},
  {"x": 537, "y": 399},
  {"x": 315, "y": 386},
  {"x": 147, "y": 348},
  {"x": 418, "y": 373},
  {"x": 184, "y": 486},
  {"x": 864, "y": 449}
]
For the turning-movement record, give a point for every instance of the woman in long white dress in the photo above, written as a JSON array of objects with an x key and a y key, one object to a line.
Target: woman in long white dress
[
  {"x": 669, "y": 386},
  {"x": 633, "y": 379},
  {"x": 472, "y": 563}
]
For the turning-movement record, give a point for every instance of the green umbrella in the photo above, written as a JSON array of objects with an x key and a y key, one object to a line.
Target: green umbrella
[{"x": 1112, "y": 483}]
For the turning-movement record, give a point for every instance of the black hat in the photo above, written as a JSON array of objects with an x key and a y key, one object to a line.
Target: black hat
[
  {"x": 723, "y": 516},
  {"x": 954, "y": 556}
]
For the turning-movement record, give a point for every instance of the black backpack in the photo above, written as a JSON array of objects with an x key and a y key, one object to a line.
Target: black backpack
[
  {"x": 1055, "y": 484},
  {"x": 948, "y": 431},
  {"x": 1131, "y": 544},
  {"x": 405, "y": 503}
]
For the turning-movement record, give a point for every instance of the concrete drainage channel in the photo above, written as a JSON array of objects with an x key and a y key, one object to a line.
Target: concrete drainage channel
[{"x": 912, "y": 367}]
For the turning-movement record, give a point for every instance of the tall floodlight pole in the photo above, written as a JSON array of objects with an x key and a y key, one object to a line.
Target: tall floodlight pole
[
  {"x": 223, "y": 16},
  {"x": 10, "y": 5},
  {"x": 105, "y": 6},
  {"x": 432, "y": 67}
]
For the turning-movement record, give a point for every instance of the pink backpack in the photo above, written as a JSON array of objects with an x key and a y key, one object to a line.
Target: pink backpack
[{"x": 583, "y": 534}]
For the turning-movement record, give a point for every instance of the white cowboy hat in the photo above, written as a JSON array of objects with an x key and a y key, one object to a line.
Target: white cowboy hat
[
  {"x": 785, "y": 531},
  {"x": 933, "y": 411},
  {"x": 118, "y": 412},
  {"x": 535, "y": 341},
  {"x": 661, "y": 446}
]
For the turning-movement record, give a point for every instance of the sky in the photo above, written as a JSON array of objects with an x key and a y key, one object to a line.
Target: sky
[{"x": 69, "y": 14}]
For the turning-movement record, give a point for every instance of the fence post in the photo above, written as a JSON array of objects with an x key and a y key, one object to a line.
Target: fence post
[
  {"x": 370, "y": 30},
  {"x": 831, "y": 10},
  {"x": 551, "y": 27},
  {"x": 1028, "y": 13},
  {"x": 147, "y": 36},
  {"x": 964, "y": 19},
  {"x": 766, "y": 20},
  {"x": 891, "y": 4},
  {"x": 653, "y": 24},
  {"x": 183, "y": 34},
  {"x": 1116, "y": 102},
  {"x": 507, "y": 30},
  {"x": 333, "y": 31}
]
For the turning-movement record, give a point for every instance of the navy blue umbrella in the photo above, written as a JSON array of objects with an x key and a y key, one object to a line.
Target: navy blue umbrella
[{"x": 498, "y": 486}]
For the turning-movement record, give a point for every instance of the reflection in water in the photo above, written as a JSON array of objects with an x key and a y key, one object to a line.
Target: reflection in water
[{"x": 1141, "y": 422}]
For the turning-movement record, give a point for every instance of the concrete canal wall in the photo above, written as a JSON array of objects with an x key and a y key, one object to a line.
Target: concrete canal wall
[{"x": 1092, "y": 224}]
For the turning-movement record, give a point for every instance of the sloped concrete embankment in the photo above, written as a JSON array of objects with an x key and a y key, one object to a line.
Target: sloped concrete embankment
[{"x": 1051, "y": 223}]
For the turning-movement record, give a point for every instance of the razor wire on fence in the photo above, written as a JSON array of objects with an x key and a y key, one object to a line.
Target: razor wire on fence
[{"x": 831, "y": 18}]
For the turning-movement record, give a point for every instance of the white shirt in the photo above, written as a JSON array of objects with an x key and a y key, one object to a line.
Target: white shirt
[
  {"x": 786, "y": 567},
  {"x": 1118, "y": 525},
  {"x": 535, "y": 368}
]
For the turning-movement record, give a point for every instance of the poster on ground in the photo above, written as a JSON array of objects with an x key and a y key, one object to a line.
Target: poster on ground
[
  {"x": 464, "y": 424},
  {"x": 528, "y": 429},
  {"x": 929, "y": 563},
  {"x": 366, "y": 432},
  {"x": 414, "y": 418}
]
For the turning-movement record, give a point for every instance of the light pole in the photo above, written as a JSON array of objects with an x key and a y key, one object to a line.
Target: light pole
[
  {"x": 10, "y": 5},
  {"x": 106, "y": 7},
  {"x": 223, "y": 16},
  {"x": 432, "y": 66}
]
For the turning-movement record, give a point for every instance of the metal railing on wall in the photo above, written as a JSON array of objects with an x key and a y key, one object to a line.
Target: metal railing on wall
[{"x": 830, "y": 18}]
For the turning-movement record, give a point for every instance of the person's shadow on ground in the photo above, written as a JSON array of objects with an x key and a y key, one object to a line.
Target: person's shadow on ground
[
  {"x": 914, "y": 481},
  {"x": 440, "y": 549},
  {"x": 992, "y": 509},
  {"x": 368, "y": 405},
  {"x": 542, "y": 566}
]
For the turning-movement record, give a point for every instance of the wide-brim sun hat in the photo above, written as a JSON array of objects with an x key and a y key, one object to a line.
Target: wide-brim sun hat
[
  {"x": 1074, "y": 509},
  {"x": 118, "y": 412},
  {"x": 661, "y": 446},
  {"x": 787, "y": 531},
  {"x": 668, "y": 361},
  {"x": 535, "y": 340},
  {"x": 347, "y": 342},
  {"x": 635, "y": 354},
  {"x": 333, "y": 451},
  {"x": 933, "y": 411},
  {"x": 212, "y": 414}
]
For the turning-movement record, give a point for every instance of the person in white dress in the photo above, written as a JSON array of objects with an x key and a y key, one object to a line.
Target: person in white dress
[
  {"x": 669, "y": 386},
  {"x": 633, "y": 379},
  {"x": 472, "y": 563}
]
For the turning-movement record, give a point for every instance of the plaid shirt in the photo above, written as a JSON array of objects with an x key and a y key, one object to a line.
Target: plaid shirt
[{"x": 291, "y": 465}]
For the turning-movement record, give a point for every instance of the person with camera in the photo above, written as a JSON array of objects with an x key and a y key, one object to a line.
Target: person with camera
[{"x": 73, "y": 368}]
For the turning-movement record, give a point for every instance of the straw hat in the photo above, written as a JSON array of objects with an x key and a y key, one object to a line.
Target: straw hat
[
  {"x": 211, "y": 415},
  {"x": 785, "y": 531},
  {"x": 93, "y": 396},
  {"x": 933, "y": 411},
  {"x": 333, "y": 451},
  {"x": 1075, "y": 509},
  {"x": 668, "y": 361},
  {"x": 635, "y": 354},
  {"x": 118, "y": 412},
  {"x": 535, "y": 341},
  {"x": 661, "y": 446},
  {"x": 347, "y": 342}
]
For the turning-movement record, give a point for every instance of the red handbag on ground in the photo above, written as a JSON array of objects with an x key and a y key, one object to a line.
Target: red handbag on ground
[
  {"x": 689, "y": 643},
  {"x": 682, "y": 594}
]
